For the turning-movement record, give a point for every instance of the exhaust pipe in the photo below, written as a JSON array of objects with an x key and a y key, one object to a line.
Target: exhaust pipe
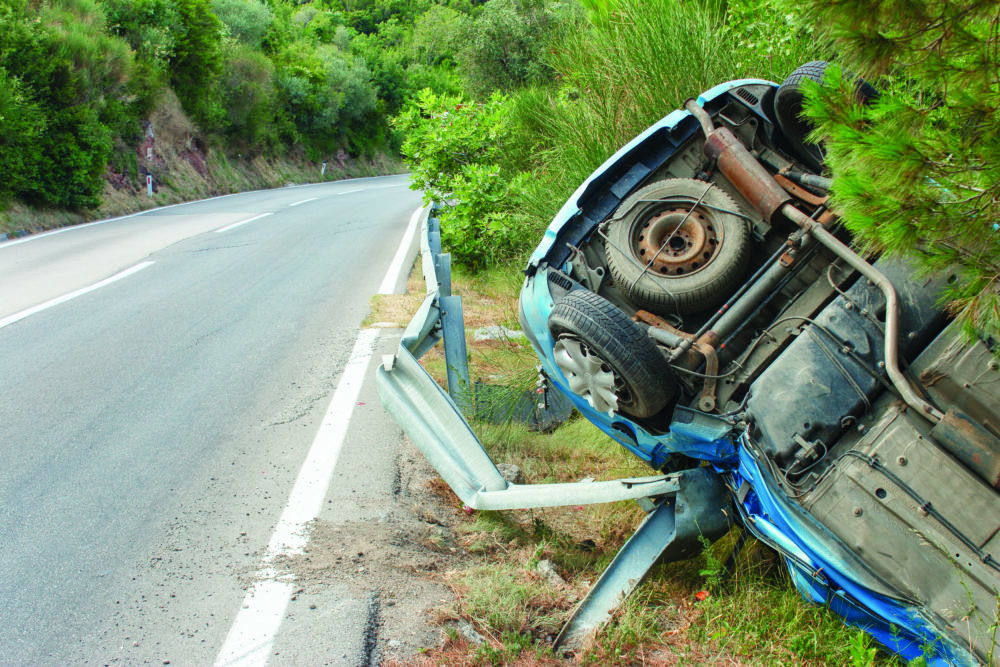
[
  {"x": 742, "y": 169},
  {"x": 770, "y": 199}
]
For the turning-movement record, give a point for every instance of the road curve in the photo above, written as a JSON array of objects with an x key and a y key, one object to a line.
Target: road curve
[{"x": 152, "y": 426}]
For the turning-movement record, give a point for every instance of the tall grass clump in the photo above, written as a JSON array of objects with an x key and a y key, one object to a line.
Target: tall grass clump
[{"x": 633, "y": 63}]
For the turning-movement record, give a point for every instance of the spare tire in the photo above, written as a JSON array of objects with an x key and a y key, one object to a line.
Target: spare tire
[
  {"x": 608, "y": 359},
  {"x": 788, "y": 110},
  {"x": 669, "y": 256}
]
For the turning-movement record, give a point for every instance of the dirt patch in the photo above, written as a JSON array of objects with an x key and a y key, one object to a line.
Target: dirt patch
[
  {"x": 392, "y": 310},
  {"x": 402, "y": 557}
]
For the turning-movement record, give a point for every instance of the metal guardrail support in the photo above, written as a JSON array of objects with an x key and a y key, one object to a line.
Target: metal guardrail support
[{"x": 452, "y": 317}]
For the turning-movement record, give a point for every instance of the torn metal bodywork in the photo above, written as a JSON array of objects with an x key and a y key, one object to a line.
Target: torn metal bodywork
[{"x": 822, "y": 401}]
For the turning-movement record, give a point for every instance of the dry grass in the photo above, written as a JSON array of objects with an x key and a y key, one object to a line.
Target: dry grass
[
  {"x": 396, "y": 310},
  {"x": 171, "y": 125}
]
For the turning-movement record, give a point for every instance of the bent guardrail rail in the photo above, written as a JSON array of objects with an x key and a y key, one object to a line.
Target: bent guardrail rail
[
  {"x": 684, "y": 505},
  {"x": 434, "y": 419}
]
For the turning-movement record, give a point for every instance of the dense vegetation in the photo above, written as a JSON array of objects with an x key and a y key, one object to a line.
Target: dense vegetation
[
  {"x": 915, "y": 174},
  {"x": 79, "y": 80}
]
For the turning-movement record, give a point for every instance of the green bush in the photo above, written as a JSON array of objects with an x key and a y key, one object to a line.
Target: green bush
[
  {"x": 76, "y": 147},
  {"x": 437, "y": 35},
  {"x": 325, "y": 92},
  {"x": 247, "y": 20},
  {"x": 22, "y": 124},
  {"x": 454, "y": 149},
  {"x": 151, "y": 28},
  {"x": 253, "y": 117},
  {"x": 197, "y": 61},
  {"x": 503, "y": 47}
]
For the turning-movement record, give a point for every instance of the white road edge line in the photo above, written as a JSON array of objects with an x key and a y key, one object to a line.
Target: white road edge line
[
  {"x": 303, "y": 201},
  {"x": 52, "y": 232},
  {"x": 251, "y": 638},
  {"x": 241, "y": 223},
  {"x": 392, "y": 276},
  {"x": 17, "y": 317}
]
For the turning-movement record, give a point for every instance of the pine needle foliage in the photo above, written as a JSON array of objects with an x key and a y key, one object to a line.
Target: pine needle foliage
[{"x": 918, "y": 173}]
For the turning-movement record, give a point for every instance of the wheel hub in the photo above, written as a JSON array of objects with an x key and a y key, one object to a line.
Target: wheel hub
[
  {"x": 588, "y": 375},
  {"x": 678, "y": 243}
]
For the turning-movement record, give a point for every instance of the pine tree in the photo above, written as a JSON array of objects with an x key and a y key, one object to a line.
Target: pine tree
[{"x": 918, "y": 173}]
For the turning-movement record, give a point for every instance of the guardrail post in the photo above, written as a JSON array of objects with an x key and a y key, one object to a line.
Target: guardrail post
[
  {"x": 434, "y": 234},
  {"x": 451, "y": 319},
  {"x": 442, "y": 267},
  {"x": 455, "y": 354}
]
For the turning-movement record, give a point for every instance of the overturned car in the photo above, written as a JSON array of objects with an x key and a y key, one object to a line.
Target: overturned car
[{"x": 697, "y": 301}]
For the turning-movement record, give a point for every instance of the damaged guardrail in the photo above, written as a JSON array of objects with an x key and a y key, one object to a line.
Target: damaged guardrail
[
  {"x": 682, "y": 506},
  {"x": 435, "y": 420}
]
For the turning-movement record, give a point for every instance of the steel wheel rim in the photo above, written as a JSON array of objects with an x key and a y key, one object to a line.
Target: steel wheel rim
[{"x": 678, "y": 241}]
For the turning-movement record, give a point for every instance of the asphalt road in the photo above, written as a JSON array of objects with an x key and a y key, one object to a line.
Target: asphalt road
[{"x": 162, "y": 380}]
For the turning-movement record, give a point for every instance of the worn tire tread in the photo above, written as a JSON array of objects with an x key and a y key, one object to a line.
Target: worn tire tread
[{"x": 622, "y": 344}]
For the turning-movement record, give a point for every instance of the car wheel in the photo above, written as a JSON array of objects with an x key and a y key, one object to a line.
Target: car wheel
[
  {"x": 607, "y": 358},
  {"x": 671, "y": 256},
  {"x": 788, "y": 110}
]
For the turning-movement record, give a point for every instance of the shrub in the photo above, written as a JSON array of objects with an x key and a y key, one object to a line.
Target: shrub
[
  {"x": 150, "y": 27},
  {"x": 454, "y": 149},
  {"x": 22, "y": 123},
  {"x": 76, "y": 147},
  {"x": 247, "y": 20},
  {"x": 250, "y": 102},
  {"x": 197, "y": 60},
  {"x": 503, "y": 47}
]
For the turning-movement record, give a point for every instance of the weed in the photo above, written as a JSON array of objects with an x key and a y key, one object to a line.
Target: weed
[
  {"x": 861, "y": 650},
  {"x": 714, "y": 568}
]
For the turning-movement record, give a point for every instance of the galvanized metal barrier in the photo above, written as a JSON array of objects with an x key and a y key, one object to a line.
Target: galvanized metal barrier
[
  {"x": 435, "y": 422},
  {"x": 451, "y": 319}
]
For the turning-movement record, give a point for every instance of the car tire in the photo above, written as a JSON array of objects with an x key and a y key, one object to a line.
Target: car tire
[
  {"x": 608, "y": 359},
  {"x": 788, "y": 110},
  {"x": 709, "y": 246}
]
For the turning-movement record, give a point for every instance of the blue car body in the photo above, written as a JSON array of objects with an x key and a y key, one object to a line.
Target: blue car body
[{"x": 825, "y": 564}]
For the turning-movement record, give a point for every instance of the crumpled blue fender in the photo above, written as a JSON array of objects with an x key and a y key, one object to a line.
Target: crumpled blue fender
[{"x": 825, "y": 578}]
